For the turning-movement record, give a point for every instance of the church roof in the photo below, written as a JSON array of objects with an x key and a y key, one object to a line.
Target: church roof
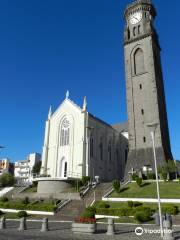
[
  {"x": 99, "y": 120},
  {"x": 121, "y": 127}
]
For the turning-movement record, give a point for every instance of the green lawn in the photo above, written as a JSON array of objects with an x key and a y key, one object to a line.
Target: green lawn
[
  {"x": 148, "y": 190},
  {"x": 153, "y": 206},
  {"x": 34, "y": 206}
]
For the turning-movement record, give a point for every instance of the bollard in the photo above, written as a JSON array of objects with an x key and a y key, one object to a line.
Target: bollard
[
  {"x": 169, "y": 218},
  {"x": 22, "y": 225},
  {"x": 110, "y": 228},
  {"x": 45, "y": 227},
  {"x": 157, "y": 219},
  {"x": 168, "y": 233},
  {"x": 3, "y": 223}
]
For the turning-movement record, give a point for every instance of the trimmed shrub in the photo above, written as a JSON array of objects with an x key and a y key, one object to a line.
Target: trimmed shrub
[
  {"x": 151, "y": 176},
  {"x": 115, "y": 211},
  {"x": 134, "y": 176},
  {"x": 89, "y": 212},
  {"x": 116, "y": 186},
  {"x": 91, "y": 209},
  {"x": 25, "y": 201},
  {"x": 139, "y": 181},
  {"x": 21, "y": 214},
  {"x": 122, "y": 212},
  {"x": 4, "y": 199},
  {"x": 144, "y": 177},
  {"x": 137, "y": 204},
  {"x": 130, "y": 204},
  {"x": 173, "y": 210},
  {"x": 164, "y": 176},
  {"x": 143, "y": 214},
  {"x": 104, "y": 205}
]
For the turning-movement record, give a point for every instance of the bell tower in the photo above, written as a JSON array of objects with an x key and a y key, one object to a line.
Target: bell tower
[{"x": 144, "y": 87}]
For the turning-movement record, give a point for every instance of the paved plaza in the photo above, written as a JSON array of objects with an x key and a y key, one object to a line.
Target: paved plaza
[{"x": 63, "y": 231}]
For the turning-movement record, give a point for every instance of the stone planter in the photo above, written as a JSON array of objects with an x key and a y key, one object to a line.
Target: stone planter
[{"x": 88, "y": 228}]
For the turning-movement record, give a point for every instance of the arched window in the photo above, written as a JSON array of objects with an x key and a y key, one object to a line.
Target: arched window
[
  {"x": 134, "y": 31},
  {"x": 64, "y": 133},
  {"x": 139, "y": 61},
  {"x": 65, "y": 169},
  {"x": 109, "y": 150},
  {"x": 101, "y": 149},
  {"x": 91, "y": 146}
]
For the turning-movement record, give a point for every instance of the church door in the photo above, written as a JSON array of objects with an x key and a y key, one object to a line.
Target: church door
[{"x": 63, "y": 168}]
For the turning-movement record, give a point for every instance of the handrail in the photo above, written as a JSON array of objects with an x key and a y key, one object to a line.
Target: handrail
[
  {"x": 108, "y": 191},
  {"x": 63, "y": 204},
  {"x": 91, "y": 199}
]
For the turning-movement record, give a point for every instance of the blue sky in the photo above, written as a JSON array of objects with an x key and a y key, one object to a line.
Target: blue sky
[{"x": 47, "y": 47}]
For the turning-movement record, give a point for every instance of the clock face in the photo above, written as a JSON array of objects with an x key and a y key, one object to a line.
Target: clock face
[{"x": 135, "y": 18}]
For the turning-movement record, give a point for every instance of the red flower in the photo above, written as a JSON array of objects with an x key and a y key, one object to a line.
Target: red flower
[{"x": 85, "y": 220}]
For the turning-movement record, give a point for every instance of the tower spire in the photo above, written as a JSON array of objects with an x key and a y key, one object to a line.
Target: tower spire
[
  {"x": 50, "y": 112},
  {"x": 84, "y": 104},
  {"x": 67, "y": 94}
]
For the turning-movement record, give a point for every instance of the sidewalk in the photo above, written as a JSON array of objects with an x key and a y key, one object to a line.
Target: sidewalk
[{"x": 62, "y": 231}]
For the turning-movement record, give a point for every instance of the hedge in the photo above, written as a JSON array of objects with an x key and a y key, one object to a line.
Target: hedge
[
  {"x": 21, "y": 214},
  {"x": 173, "y": 210},
  {"x": 19, "y": 206},
  {"x": 115, "y": 211}
]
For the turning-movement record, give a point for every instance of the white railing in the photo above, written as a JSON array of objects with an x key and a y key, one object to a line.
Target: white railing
[
  {"x": 62, "y": 204},
  {"x": 91, "y": 200},
  {"x": 108, "y": 192}
]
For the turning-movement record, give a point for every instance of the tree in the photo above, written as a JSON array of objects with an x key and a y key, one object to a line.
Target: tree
[
  {"x": 37, "y": 167},
  {"x": 117, "y": 185},
  {"x": 139, "y": 181},
  {"x": 7, "y": 180},
  {"x": 168, "y": 168}
]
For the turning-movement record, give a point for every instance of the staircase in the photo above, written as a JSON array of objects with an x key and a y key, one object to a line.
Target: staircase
[
  {"x": 71, "y": 211},
  {"x": 74, "y": 208}
]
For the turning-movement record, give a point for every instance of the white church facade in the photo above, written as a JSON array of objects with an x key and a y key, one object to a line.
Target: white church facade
[{"x": 78, "y": 144}]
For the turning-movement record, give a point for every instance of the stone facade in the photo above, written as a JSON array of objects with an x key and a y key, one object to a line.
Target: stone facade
[{"x": 144, "y": 87}]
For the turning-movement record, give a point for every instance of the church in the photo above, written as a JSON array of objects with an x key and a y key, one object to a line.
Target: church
[{"x": 79, "y": 144}]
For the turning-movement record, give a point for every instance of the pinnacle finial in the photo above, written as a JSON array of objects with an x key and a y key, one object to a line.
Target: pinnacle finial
[
  {"x": 85, "y": 104},
  {"x": 50, "y": 112},
  {"x": 67, "y": 94}
]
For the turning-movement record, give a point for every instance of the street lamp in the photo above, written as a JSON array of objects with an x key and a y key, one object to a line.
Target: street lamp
[{"x": 152, "y": 127}]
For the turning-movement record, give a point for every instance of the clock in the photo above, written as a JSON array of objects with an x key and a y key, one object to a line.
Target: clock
[{"x": 135, "y": 18}]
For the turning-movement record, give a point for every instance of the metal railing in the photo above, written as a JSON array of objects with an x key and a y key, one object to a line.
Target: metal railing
[
  {"x": 62, "y": 204},
  {"x": 91, "y": 200}
]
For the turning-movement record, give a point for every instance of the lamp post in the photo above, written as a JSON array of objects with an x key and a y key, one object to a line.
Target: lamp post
[{"x": 152, "y": 127}]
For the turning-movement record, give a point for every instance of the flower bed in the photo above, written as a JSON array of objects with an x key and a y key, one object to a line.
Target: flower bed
[
  {"x": 85, "y": 220},
  {"x": 84, "y": 225}
]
